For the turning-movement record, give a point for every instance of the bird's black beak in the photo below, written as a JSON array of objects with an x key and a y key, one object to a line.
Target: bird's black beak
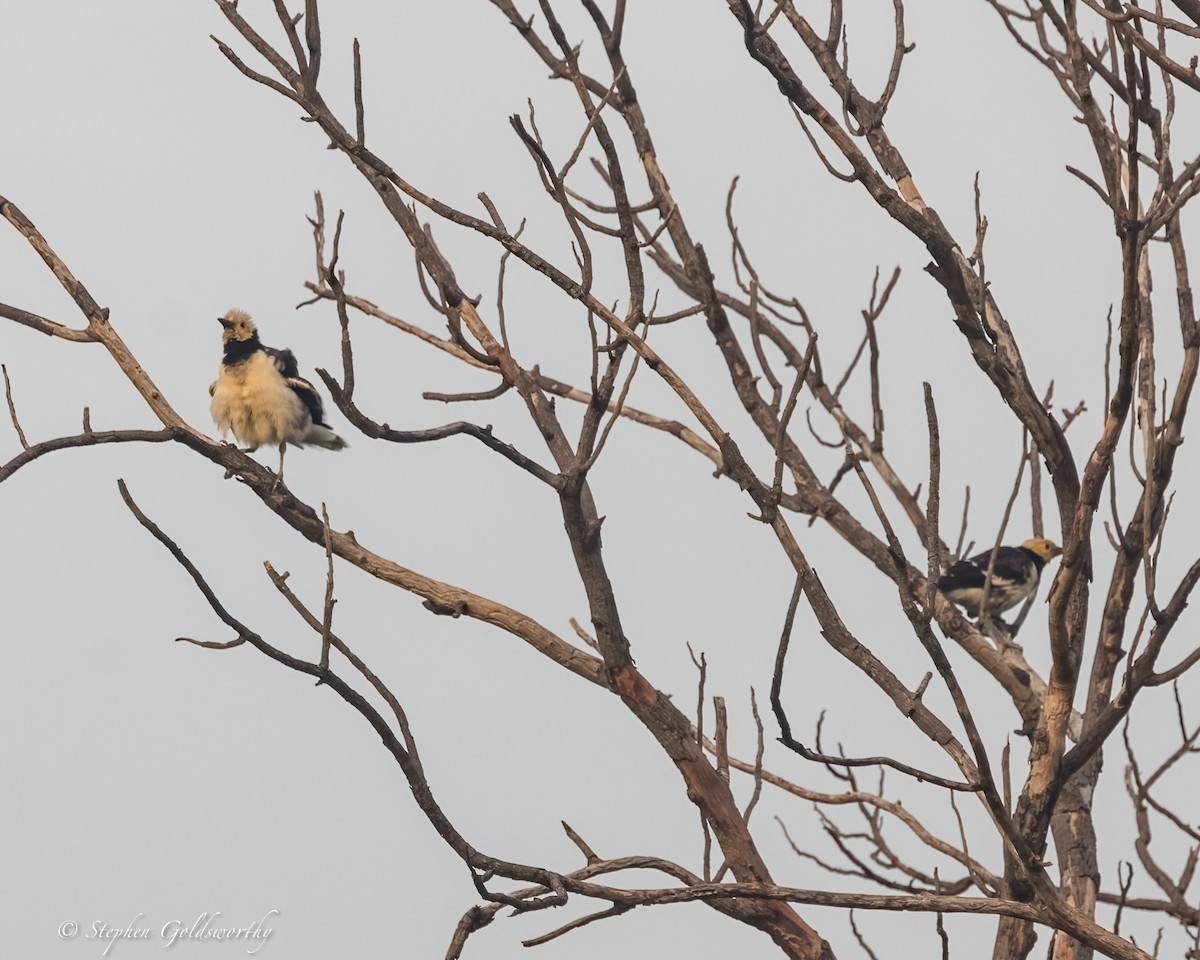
[{"x": 227, "y": 324}]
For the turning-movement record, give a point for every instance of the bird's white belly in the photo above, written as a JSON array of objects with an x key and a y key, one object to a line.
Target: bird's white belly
[{"x": 252, "y": 400}]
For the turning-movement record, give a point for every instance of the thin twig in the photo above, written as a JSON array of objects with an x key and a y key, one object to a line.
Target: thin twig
[
  {"x": 327, "y": 618},
  {"x": 12, "y": 410}
]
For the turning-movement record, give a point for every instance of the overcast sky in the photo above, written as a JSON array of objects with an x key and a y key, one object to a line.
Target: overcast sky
[{"x": 150, "y": 782}]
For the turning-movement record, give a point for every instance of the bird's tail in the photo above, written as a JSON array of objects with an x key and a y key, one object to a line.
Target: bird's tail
[{"x": 320, "y": 435}]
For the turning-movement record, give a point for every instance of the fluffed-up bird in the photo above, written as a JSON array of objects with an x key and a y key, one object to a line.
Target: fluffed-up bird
[
  {"x": 260, "y": 397},
  {"x": 1015, "y": 575}
]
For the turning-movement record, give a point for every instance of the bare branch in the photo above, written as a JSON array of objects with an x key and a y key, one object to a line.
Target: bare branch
[{"x": 12, "y": 410}]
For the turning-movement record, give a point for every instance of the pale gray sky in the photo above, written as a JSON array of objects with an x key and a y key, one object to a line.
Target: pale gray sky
[{"x": 150, "y": 781}]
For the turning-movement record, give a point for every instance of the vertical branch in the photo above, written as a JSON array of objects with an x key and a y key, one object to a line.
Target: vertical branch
[
  {"x": 327, "y": 619},
  {"x": 1035, "y": 479},
  {"x": 962, "y": 530},
  {"x": 360, "y": 127},
  {"x": 785, "y": 639},
  {"x": 933, "y": 504},
  {"x": 312, "y": 38},
  {"x": 721, "y": 737},
  {"x": 288, "y": 22},
  {"x": 869, "y": 317},
  {"x": 702, "y": 669},
  {"x": 1012, "y": 499},
  {"x": 12, "y": 409}
]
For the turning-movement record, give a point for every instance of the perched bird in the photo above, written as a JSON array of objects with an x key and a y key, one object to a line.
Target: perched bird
[
  {"x": 260, "y": 397},
  {"x": 1015, "y": 576}
]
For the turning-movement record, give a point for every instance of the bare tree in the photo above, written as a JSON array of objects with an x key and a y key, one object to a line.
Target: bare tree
[{"x": 1127, "y": 72}]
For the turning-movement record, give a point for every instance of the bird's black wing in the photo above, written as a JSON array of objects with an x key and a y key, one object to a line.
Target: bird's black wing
[
  {"x": 310, "y": 398},
  {"x": 1011, "y": 566},
  {"x": 963, "y": 575},
  {"x": 285, "y": 361}
]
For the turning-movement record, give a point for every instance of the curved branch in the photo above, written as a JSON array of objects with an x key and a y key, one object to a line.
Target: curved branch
[
  {"x": 381, "y": 431},
  {"x": 403, "y": 753},
  {"x": 89, "y": 439}
]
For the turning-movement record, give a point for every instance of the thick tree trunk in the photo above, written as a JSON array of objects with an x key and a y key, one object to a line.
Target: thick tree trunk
[
  {"x": 1075, "y": 842},
  {"x": 1014, "y": 939}
]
